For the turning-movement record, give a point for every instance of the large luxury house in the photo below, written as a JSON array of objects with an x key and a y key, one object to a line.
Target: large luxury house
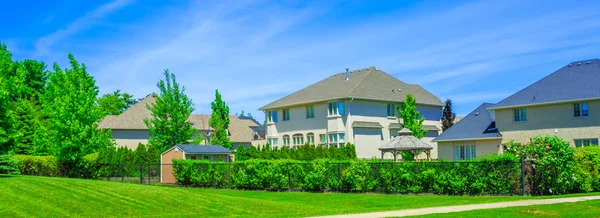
[
  {"x": 129, "y": 129},
  {"x": 357, "y": 107},
  {"x": 566, "y": 104}
]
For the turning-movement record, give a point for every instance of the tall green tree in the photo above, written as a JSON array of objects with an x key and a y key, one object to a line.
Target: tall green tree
[
  {"x": 115, "y": 103},
  {"x": 168, "y": 125},
  {"x": 69, "y": 102},
  {"x": 411, "y": 117},
  {"x": 6, "y": 65},
  {"x": 447, "y": 115},
  {"x": 219, "y": 121}
]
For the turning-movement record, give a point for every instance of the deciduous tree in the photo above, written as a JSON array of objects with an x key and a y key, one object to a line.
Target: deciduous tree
[
  {"x": 219, "y": 121},
  {"x": 411, "y": 117},
  {"x": 115, "y": 103}
]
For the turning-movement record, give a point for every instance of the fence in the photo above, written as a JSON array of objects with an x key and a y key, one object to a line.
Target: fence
[{"x": 496, "y": 178}]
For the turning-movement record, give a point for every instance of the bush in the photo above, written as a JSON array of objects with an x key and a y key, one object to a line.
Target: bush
[
  {"x": 8, "y": 165},
  {"x": 587, "y": 169},
  {"x": 37, "y": 165}
]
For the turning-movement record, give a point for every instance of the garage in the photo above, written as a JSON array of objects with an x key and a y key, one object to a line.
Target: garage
[{"x": 368, "y": 137}]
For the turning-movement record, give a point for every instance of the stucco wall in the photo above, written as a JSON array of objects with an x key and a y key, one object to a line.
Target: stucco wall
[
  {"x": 554, "y": 120},
  {"x": 483, "y": 147},
  {"x": 130, "y": 138},
  {"x": 299, "y": 124},
  {"x": 166, "y": 169}
]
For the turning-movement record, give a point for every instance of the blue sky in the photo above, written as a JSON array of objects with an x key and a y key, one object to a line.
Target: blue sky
[{"x": 255, "y": 52}]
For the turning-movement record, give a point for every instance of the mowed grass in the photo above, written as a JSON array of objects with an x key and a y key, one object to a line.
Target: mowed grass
[
  {"x": 46, "y": 196},
  {"x": 577, "y": 209}
]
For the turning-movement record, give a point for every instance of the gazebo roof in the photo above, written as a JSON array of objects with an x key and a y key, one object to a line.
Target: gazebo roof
[{"x": 405, "y": 141}]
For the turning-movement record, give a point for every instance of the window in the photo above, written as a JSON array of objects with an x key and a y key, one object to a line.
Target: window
[
  {"x": 341, "y": 137},
  {"x": 310, "y": 111},
  {"x": 269, "y": 114},
  {"x": 391, "y": 110},
  {"x": 286, "y": 114},
  {"x": 273, "y": 116},
  {"x": 585, "y": 142},
  {"x": 323, "y": 138},
  {"x": 333, "y": 110},
  {"x": 286, "y": 140},
  {"x": 193, "y": 157},
  {"x": 580, "y": 109},
  {"x": 332, "y": 138},
  {"x": 274, "y": 141},
  {"x": 206, "y": 158},
  {"x": 341, "y": 107},
  {"x": 298, "y": 139},
  {"x": 310, "y": 138},
  {"x": 464, "y": 151},
  {"x": 520, "y": 114}
]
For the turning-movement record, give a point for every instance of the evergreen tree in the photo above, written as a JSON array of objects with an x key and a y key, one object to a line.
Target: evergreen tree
[
  {"x": 410, "y": 116},
  {"x": 69, "y": 102},
  {"x": 219, "y": 121},
  {"x": 115, "y": 103},
  {"x": 168, "y": 125},
  {"x": 447, "y": 115}
]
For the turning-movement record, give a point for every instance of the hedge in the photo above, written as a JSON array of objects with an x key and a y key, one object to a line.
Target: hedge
[{"x": 488, "y": 175}]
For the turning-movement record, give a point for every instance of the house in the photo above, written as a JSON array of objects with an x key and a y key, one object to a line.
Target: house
[
  {"x": 565, "y": 103},
  {"x": 129, "y": 129},
  {"x": 190, "y": 152},
  {"x": 358, "y": 107}
]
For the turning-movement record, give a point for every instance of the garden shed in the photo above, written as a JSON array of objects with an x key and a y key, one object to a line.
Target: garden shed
[{"x": 190, "y": 152}]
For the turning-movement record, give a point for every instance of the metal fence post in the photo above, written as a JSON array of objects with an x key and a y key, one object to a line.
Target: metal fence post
[
  {"x": 289, "y": 176},
  {"x": 522, "y": 176},
  {"x": 141, "y": 177},
  {"x": 122, "y": 173}
]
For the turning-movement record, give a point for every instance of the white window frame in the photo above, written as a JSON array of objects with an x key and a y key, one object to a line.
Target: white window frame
[
  {"x": 310, "y": 111},
  {"x": 298, "y": 139},
  {"x": 286, "y": 140},
  {"x": 586, "y": 142},
  {"x": 465, "y": 151},
  {"x": 391, "y": 110},
  {"x": 310, "y": 138},
  {"x": 520, "y": 115},
  {"x": 286, "y": 114}
]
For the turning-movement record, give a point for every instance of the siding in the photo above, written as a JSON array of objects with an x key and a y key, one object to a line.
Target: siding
[
  {"x": 166, "y": 171},
  {"x": 130, "y": 138},
  {"x": 484, "y": 147}
]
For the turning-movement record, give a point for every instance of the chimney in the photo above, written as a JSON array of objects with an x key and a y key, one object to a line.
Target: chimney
[{"x": 347, "y": 78}]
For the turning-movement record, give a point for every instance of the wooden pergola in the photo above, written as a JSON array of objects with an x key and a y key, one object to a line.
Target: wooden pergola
[{"x": 406, "y": 142}]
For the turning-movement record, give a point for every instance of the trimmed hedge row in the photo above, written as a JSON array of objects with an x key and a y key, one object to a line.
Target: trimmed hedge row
[{"x": 489, "y": 175}]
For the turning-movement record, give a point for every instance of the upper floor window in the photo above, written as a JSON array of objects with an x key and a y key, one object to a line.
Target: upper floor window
[
  {"x": 269, "y": 114},
  {"x": 585, "y": 142},
  {"x": 391, "y": 110},
  {"x": 310, "y": 138},
  {"x": 464, "y": 151},
  {"x": 520, "y": 114},
  {"x": 580, "y": 109},
  {"x": 286, "y": 140},
  {"x": 286, "y": 114},
  {"x": 336, "y": 108},
  {"x": 310, "y": 111},
  {"x": 298, "y": 139},
  {"x": 272, "y": 116}
]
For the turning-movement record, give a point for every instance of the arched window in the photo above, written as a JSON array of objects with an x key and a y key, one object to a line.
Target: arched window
[
  {"x": 310, "y": 138},
  {"x": 298, "y": 139},
  {"x": 286, "y": 140}
]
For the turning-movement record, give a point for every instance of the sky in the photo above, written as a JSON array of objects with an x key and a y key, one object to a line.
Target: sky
[{"x": 255, "y": 52}]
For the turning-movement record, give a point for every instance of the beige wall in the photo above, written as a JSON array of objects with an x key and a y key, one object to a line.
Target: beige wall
[
  {"x": 211, "y": 157},
  {"x": 166, "y": 169},
  {"x": 553, "y": 120},
  {"x": 483, "y": 147},
  {"x": 130, "y": 138}
]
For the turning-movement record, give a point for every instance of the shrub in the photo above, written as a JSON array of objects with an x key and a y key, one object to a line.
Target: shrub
[
  {"x": 8, "y": 165},
  {"x": 37, "y": 165},
  {"x": 587, "y": 169}
]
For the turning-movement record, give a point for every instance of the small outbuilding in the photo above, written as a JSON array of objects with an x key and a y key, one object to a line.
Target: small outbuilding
[
  {"x": 406, "y": 142},
  {"x": 190, "y": 152}
]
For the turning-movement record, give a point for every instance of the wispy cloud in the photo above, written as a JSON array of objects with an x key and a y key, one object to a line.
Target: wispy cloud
[{"x": 45, "y": 43}]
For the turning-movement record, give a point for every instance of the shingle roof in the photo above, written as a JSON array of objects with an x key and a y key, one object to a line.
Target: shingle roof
[
  {"x": 204, "y": 149},
  {"x": 578, "y": 80},
  {"x": 427, "y": 127},
  {"x": 405, "y": 141},
  {"x": 366, "y": 124},
  {"x": 240, "y": 130},
  {"x": 368, "y": 83},
  {"x": 478, "y": 124}
]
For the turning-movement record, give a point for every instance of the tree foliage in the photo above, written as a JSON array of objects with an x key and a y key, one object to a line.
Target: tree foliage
[
  {"x": 219, "y": 121},
  {"x": 411, "y": 117},
  {"x": 69, "y": 102},
  {"x": 115, "y": 103},
  {"x": 447, "y": 115},
  {"x": 168, "y": 125}
]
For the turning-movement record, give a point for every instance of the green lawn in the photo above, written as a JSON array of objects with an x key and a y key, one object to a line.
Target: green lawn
[
  {"x": 578, "y": 209},
  {"x": 47, "y": 196}
]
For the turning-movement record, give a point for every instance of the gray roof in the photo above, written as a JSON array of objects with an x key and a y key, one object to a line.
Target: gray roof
[
  {"x": 204, "y": 149},
  {"x": 578, "y": 80},
  {"x": 477, "y": 125},
  {"x": 405, "y": 141},
  {"x": 366, "y": 124},
  {"x": 368, "y": 83},
  {"x": 427, "y": 127}
]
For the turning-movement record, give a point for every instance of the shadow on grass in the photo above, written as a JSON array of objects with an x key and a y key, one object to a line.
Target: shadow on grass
[{"x": 6, "y": 176}]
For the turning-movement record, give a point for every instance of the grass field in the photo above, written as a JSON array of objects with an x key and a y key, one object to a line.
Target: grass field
[
  {"x": 578, "y": 209},
  {"x": 47, "y": 196}
]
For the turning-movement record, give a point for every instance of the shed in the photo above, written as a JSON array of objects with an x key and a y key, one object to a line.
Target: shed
[{"x": 191, "y": 152}]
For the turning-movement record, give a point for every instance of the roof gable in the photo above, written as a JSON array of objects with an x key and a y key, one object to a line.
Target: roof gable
[
  {"x": 368, "y": 83},
  {"x": 478, "y": 124},
  {"x": 577, "y": 80}
]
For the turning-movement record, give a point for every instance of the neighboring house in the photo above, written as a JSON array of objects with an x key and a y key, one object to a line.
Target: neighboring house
[
  {"x": 129, "y": 129},
  {"x": 565, "y": 103},
  {"x": 359, "y": 107},
  {"x": 192, "y": 152}
]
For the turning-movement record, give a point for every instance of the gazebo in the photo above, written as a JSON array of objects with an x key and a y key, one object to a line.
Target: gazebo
[{"x": 405, "y": 141}]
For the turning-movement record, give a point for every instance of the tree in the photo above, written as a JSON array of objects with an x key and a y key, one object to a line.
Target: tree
[
  {"x": 168, "y": 125},
  {"x": 410, "y": 115},
  {"x": 69, "y": 102},
  {"x": 447, "y": 115},
  {"x": 115, "y": 103},
  {"x": 219, "y": 121}
]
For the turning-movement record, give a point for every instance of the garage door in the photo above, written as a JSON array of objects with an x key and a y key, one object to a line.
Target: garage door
[{"x": 367, "y": 142}]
